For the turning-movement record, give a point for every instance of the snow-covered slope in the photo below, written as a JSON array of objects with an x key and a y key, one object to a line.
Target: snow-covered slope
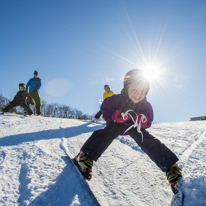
[{"x": 35, "y": 171}]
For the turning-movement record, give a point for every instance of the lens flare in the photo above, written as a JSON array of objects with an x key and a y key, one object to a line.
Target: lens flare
[
  {"x": 108, "y": 79},
  {"x": 57, "y": 87}
]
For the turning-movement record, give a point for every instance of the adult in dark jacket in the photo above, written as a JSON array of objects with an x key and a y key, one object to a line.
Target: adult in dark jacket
[
  {"x": 20, "y": 100},
  {"x": 34, "y": 84}
]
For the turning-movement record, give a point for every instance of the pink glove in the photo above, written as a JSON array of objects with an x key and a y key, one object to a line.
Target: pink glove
[{"x": 117, "y": 117}]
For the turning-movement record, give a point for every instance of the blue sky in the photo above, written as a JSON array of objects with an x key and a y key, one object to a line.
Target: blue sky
[{"x": 79, "y": 46}]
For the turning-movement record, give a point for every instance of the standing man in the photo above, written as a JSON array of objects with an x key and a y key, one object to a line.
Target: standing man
[
  {"x": 108, "y": 93},
  {"x": 34, "y": 85}
]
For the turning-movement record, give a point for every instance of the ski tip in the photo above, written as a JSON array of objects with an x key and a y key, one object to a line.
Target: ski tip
[{"x": 178, "y": 199}]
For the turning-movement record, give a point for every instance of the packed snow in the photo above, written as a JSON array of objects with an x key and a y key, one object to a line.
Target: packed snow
[{"x": 35, "y": 170}]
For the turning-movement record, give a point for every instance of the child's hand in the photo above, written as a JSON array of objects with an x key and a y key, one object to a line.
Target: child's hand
[{"x": 117, "y": 117}]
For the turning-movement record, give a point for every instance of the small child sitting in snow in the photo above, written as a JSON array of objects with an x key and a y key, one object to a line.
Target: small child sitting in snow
[
  {"x": 130, "y": 112},
  {"x": 20, "y": 100}
]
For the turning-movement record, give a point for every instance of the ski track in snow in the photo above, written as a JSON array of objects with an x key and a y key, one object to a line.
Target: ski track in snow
[{"x": 35, "y": 171}]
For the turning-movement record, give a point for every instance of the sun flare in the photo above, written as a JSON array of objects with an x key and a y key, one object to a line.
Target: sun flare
[{"x": 151, "y": 72}]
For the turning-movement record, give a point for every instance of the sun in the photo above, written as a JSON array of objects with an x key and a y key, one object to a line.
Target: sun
[{"x": 151, "y": 72}]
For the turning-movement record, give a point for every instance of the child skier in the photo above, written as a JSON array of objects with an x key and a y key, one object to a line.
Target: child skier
[
  {"x": 129, "y": 111},
  {"x": 107, "y": 93},
  {"x": 20, "y": 100}
]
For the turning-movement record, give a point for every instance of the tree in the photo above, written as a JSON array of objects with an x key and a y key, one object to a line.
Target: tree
[
  {"x": 43, "y": 107},
  {"x": 3, "y": 101}
]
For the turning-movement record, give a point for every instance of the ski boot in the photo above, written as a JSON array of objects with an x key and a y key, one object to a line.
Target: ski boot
[
  {"x": 26, "y": 113},
  {"x": 84, "y": 163},
  {"x": 174, "y": 176},
  {"x": 40, "y": 115}
]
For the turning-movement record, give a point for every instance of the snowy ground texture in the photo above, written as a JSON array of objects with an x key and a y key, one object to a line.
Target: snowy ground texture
[{"x": 34, "y": 169}]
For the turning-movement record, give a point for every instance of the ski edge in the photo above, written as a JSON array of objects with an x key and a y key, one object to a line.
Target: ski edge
[
  {"x": 87, "y": 183},
  {"x": 87, "y": 186},
  {"x": 178, "y": 199}
]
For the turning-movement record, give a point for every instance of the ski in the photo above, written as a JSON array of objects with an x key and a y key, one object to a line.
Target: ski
[
  {"x": 178, "y": 198},
  {"x": 85, "y": 181}
]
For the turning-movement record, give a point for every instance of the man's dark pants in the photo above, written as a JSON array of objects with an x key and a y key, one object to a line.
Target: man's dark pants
[
  {"x": 36, "y": 98},
  {"x": 98, "y": 114}
]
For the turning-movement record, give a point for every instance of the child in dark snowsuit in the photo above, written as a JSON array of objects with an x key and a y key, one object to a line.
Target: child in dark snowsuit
[
  {"x": 20, "y": 100},
  {"x": 130, "y": 112}
]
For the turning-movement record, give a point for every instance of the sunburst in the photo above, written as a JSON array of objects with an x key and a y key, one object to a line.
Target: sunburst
[{"x": 151, "y": 72}]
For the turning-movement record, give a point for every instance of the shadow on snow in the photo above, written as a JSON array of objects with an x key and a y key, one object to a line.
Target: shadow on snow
[
  {"x": 47, "y": 134},
  {"x": 68, "y": 189}
]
